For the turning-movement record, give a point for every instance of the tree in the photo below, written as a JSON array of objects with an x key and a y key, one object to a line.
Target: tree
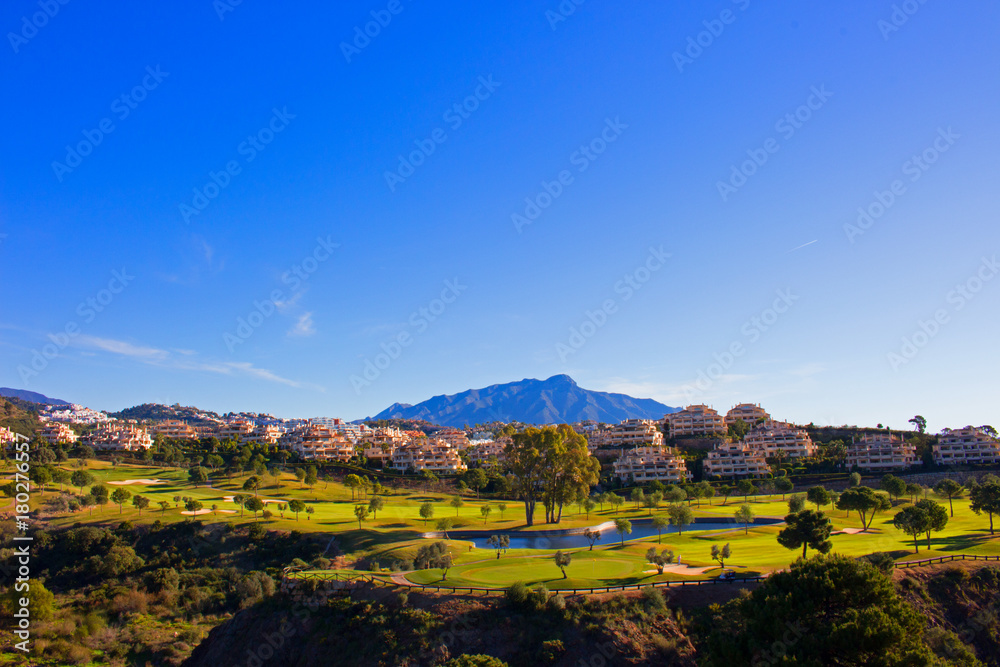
[
  {"x": 81, "y": 478},
  {"x": 588, "y": 506},
  {"x": 353, "y": 482},
  {"x": 476, "y": 479},
  {"x": 623, "y": 527},
  {"x": 300, "y": 475},
  {"x": 361, "y": 513},
  {"x": 920, "y": 423},
  {"x": 444, "y": 525},
  {"x": 913, "y": 490},
  {"x": 163, "y": 505},
  {"x": 434, "y": 556},
  {"x": 828, "y": 610},
  {"x": 140, "y": 503},
  {"x": 652, "y": 501},
  {"x": 725, "y": 490},
  {"x": 310, "y": 510},
  {"x": 41, "y": 602},
  {"x": 783, "y": 485},
  {"x": 375, "y": 504},
  {"x": 660, "y": 560},
  {"x": 894, "y": 486},
  {"x": 562, "y": 561},
  {"x": 485, "y": 510},
  {"x": 745, "y": 487},
  {"x": 808, "y": 528},
  {"x": 198, "y": 475},
  {"x": 193, "y": 506},
  {"x": 296, "y": 506},
  {"x": 615, "y": 500},
  {"x": 660, "y": 523},
  {"x": 312, "y": 476},
  {"x": 680, "y": 516},
  {"x": 501, "y": 507},
  {"x": 854, "y": 480},
  {"x": 457, "y": 503},
  {"x": 426, "y": 512},
  {"x": 745, "y": 516},
  {"x": 240, "y": 500},
  {"x": 254, "y": 504},
  {"x": 818, "y": 496},
  {"x": 865, "y": 502},
  {"x": 499, "y": 542},
  {"x": 551, "y": 465},
  {"x": 252, "y": 484},
  {"x": 986, "y": 498},
  {"x": 40, "y": 475},
  {"x": 950, "y": 489},
  {"x": 120, "y": 497},
  {"x": 637, "y": 497},
  {"x": 591, "y": 536},
  {"x": 721, "y": 554},
  {"x": 913, "y": 521}
]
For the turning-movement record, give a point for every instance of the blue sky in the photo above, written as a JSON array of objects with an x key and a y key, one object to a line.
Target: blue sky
[{"x": 616, "y": 123}]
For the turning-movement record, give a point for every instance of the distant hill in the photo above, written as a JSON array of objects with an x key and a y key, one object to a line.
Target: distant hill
[
  {"x": 158, "y": 412},
  {"x": 553, "y": 401},
  {"x": 19, "y": 416},
  {"x": 32, "y": 396}
]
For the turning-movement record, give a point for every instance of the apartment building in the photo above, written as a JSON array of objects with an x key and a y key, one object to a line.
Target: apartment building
[
  {"x": 118, "y": 436},
  {"x": 482, "y": 452},
  {"x": 964, "y": 446},
  {"x": 881, "y": 451},
  {"x": 734, "y": 459},
  {"x": 629, "y": 433},
  {"x": 238, "y": 430},
  {"x": 453, "y": 436},
  {"x": 175, "y": 429},
  {"x": 694, "y": 421},
  {"x": 266, "y": 434},
  {"x": 646, "y": 464},
  {"x": 6, "y": 436},
  {"x": 58, "y": 433},
  {"x": 381, "y": 442},
  {"x": 781, "y": 439},
  {"x": 319, "y": 443},
  {"x": 431, "y": 454},
  {"x": 748, "y": 412}
]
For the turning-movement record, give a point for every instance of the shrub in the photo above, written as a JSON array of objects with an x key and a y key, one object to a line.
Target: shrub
[
  {"x": 653, "y": 598},
  {"x": 402, "y": 598},
  {"x": 540, "y": 596},
  {"x": 552, "y": 650},
  {"x": 517, "y": 594},
  {"x": 557, "y": 602},
  {"x": 321, "y": 563},
  {"x": 131, "y": 602},
  {"x": 882, "y": 561}
]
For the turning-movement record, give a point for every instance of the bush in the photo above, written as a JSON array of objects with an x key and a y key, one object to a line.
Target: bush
[
  {"x": 552, "y": 650},
  {"x": 557, "y": 602},
  {"x": 402, "y": 599},
  {"x": 653, "y": 598},
  {"x": 882, "y": 561},
  {"x": 540, "y": 596},
  {"x": 321, "y": 563},
  {"x": 517, "y": 594},
  {"x": 256, "y": 531}
]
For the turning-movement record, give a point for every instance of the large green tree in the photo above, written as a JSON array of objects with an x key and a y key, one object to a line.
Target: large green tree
[
  {"x": 808, "y": 528},
  {"x": 865, "y": 502},
  {"x": 827, "y": 610},
  {"x": 986, "y": 498}
]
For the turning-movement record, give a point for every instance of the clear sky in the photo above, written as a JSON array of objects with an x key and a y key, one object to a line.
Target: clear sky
[{"x": 674, "y": 174}]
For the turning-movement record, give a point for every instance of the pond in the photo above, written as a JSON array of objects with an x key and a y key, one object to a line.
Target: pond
[{"x": 571, "y": 539}]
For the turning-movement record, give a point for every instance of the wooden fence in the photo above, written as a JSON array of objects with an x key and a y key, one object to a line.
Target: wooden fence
[{"x": 943, "y": 559}]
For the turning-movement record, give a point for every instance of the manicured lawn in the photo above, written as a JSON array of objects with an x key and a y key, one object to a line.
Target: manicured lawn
[{"x": 396, "y": 533}]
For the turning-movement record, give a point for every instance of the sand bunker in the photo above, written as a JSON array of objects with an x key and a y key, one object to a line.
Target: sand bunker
[
  {"x": 205, "y": 511},
  {"x": 848, "y": 531},
  {"x": 681, "y": 569},
  {"x": 138, "y": 481}
]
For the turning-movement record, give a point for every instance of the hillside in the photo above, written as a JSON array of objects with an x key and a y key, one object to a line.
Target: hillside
[
  {"x": 157, "y": 412},
  {"x": 19, "y": 416},
  {"x": 556, "y": 400}
]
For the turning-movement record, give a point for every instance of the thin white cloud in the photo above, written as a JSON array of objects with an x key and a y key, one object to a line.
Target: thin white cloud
[
  {"x": 304, "y": 327},
  {"x": 186, "y": 361}
]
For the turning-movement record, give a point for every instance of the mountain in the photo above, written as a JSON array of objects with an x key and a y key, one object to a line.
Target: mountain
[
  {"x": 32, "y": 396},
  {"x": 554, "y": 401}
]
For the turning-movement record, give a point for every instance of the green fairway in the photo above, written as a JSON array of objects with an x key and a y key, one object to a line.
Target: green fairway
[{"x": 396, "y": 532}]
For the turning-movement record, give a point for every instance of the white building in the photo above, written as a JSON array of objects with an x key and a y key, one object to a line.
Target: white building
[
  {"x": 118, "y": 436},
  {"x": 695, "y": 421},
  {"x": 881, "y": 451},
  {"x": 734, "y": 459},
  {"x": 319, "y": 443},
  {"x": 629, "y": 433},
  {"x": 58, "y": 433},
  {"x": 428, "y": 454},
  {"x": 748, "y": 412},
  {"x": 778, "y": 438},
  {"x": 485, "y": 451},
  {"x": 967, "y": 445},
  {"x": 646, "y": 464}
]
